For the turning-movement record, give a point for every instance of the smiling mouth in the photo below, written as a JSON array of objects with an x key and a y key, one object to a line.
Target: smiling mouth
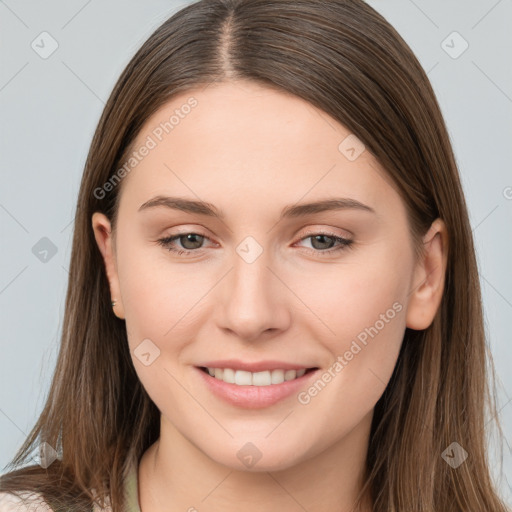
[{"x": 264, "y": 378}]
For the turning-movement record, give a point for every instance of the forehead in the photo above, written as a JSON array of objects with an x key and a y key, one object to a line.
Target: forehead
[{"x": 242, "y": 139}]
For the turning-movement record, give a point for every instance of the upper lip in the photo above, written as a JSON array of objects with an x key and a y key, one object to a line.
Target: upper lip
[{"x": 257, "y": 366}]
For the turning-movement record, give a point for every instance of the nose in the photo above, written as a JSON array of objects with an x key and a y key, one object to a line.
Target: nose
[{"x": 253, "y": 301}]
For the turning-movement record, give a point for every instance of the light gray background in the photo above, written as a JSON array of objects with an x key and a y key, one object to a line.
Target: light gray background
[{"x": 49, "y": 109}]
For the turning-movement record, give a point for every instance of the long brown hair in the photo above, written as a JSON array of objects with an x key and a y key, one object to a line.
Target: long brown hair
[{"x": 346, "y": 59}]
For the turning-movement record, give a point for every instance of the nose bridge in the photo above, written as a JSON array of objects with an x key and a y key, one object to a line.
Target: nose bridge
[
  {"x": 253, "y": 302},
  {"x": 251, "y": 278}
]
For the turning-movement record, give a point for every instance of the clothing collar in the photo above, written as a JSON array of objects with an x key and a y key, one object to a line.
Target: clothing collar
[{"x": 131, "y": 488}]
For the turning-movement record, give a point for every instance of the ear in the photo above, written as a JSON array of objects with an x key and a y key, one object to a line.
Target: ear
[
  {"x": 429, "y": 277},
  {"x": 104, "y": 239}
]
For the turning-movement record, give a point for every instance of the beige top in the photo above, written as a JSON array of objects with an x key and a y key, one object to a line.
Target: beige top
[{"x": 33, "y": 502}]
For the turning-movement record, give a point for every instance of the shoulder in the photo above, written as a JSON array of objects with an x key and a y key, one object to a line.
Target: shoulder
[
  {"x": 23, "y": 502},
  {"x": 32, "y": 502}
]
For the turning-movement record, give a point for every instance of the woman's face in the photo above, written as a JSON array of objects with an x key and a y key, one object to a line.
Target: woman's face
[{"x": 264, "y": 281}]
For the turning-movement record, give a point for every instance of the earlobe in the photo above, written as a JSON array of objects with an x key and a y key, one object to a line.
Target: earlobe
[
  {"x": 104, "y": 239},
  {"x": 427, "y": 285}
]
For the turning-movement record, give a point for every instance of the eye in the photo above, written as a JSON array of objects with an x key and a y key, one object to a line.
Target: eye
[
  {"x": 325, "y": 243},
  {"x": 189, "y": 241}
]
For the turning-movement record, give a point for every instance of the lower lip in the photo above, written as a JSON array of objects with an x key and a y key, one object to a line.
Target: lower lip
[{"x": 254, "y": 397}]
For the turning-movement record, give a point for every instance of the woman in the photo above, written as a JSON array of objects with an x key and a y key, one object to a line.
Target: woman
[{"x": 250, "y": 151}]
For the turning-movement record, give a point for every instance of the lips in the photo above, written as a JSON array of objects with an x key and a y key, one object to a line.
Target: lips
[{"x": 255, "y": 396}]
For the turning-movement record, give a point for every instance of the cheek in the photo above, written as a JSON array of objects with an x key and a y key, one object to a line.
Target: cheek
[
  {"x": 157, "y": 299},
  {"x": 351, "y": 295},
  {"x": 156, "y": 293},
  {"x": 361, "y": 306}
]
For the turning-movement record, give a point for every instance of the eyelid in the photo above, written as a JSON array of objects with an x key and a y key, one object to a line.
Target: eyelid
[{"x": 328, "y": 231}]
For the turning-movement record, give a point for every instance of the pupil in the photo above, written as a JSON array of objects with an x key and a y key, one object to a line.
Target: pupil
[
  {"x": 185, "y": 239},
  {"x": 322, "y": 237}
]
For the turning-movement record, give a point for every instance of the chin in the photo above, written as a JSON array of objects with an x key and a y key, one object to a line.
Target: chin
[{"x": 257, "y": 457}]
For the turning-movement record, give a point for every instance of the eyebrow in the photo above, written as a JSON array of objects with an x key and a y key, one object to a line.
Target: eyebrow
[{"x": 291, "y": 211}]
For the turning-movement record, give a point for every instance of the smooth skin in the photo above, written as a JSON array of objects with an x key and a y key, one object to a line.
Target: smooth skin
[{"x": 251, "y": 151}]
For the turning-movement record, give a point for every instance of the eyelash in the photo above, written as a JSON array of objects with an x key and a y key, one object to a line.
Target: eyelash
[{"x": 344, "y": 243}]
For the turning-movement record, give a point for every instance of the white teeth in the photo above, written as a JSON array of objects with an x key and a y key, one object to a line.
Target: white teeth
[
  {"x": 229, "y": 376},
  {"x": 277, "y": 377},
  {"x": 243, "y": 378},
  {"x": 261, "y": 379},
  {"x": 290, "y": 374},
  {"x": 265, "y": 378}
]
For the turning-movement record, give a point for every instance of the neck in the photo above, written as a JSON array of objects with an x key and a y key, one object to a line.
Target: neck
[{"x": 175, "y": 475}]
